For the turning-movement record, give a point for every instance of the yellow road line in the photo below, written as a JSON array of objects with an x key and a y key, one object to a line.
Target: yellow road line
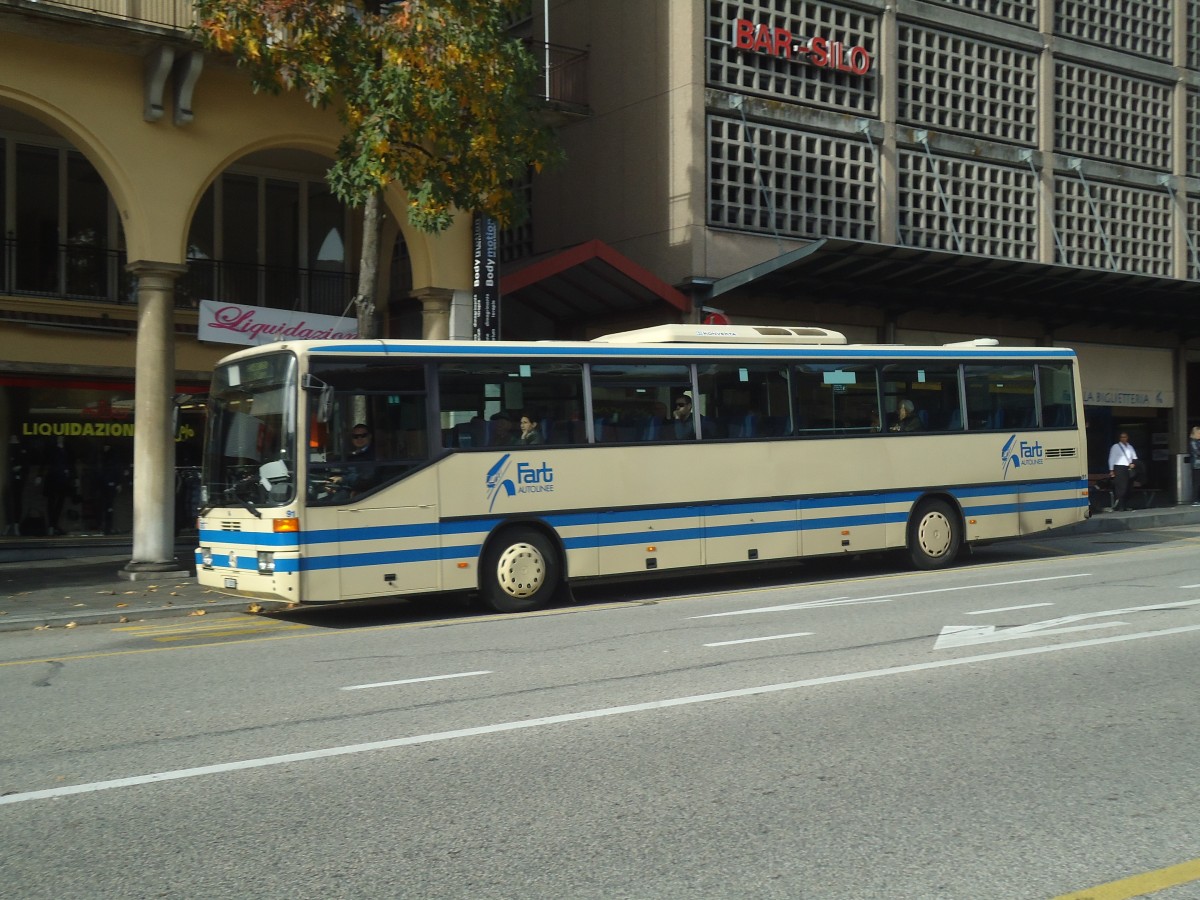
[
  {"x": 1140, "y": 885},
  {"x": 268, "y": 629},
  {"x": 190, "y": 624}
]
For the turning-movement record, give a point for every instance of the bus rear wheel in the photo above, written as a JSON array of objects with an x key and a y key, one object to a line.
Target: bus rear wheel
[
  {"x": 934, "y": 535},
  {"x": 521, "y": 571}
]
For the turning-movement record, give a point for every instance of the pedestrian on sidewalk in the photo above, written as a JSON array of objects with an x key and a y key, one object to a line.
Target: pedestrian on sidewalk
[
  {"x": 1194, "y": 450},
  {"x": 1122, "y": 466}
]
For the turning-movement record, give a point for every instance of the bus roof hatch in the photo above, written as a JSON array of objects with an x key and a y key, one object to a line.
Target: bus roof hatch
[{"x": 725, "y": 334}]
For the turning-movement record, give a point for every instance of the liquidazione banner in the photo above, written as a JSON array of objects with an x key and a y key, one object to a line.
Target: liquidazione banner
[{"x": 231, "y": 323}]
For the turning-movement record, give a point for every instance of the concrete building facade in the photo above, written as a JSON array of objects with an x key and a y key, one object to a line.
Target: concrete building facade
[{"x": 909, "y": 170}]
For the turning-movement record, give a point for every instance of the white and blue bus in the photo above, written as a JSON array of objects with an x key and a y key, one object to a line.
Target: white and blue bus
[{"x": 514, "y": 469}]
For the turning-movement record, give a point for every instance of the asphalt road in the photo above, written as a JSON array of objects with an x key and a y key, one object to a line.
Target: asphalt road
[{"x": 1022, "y": 726}]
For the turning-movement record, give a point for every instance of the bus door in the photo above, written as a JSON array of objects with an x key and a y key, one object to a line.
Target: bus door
[
  {"x": 386, "y": 550},
  {"x": 368, "y": 449}
]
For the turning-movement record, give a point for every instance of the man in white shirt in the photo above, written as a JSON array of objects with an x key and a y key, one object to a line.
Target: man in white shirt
[{"x": 1122, "y": 462}]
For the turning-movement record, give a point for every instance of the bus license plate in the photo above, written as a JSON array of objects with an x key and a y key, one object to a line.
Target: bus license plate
[{"x": 230, "y": 582}]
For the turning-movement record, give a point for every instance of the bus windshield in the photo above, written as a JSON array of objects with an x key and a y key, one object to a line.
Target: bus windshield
[{"x": 249, "y": 451}]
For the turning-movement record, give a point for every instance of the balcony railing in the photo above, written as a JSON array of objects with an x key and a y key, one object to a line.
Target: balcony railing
[
  {"x": 275, "y": 287},
  {"x": 564, "y": 74},
  {"x": 70, "y": 272},
  {"x": 564, "y": 69},
  {"x": 177, "y": 14}
]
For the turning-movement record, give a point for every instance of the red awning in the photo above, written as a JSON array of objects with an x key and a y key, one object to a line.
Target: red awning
[{"x": 590, "y": 280}]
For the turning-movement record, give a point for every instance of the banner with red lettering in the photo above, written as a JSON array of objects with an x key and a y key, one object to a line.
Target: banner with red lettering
[{"x": 231, "y": 323}]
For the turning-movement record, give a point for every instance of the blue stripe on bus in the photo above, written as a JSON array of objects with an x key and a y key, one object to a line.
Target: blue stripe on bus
[
  {"x": 387, "y": 557},
  {"x": 1008, "y": 496},
  {"x": 777, "y": 351}
]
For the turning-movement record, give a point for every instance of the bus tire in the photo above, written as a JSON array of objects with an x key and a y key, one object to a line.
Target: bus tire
[
  {"x": 934, "y": 535},
  {"x": 521, "y": 571}
]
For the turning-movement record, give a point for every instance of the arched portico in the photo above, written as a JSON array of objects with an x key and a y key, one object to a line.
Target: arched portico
[{"x": 157, "y": 174}]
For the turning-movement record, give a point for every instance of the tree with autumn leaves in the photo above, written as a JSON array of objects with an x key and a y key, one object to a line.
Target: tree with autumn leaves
[{"x": 436, "y": 96}]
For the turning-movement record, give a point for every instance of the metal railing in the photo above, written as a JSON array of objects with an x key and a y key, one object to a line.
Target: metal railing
[
  {"x": 564, "y": 73},
  {"x": 72, "y": 272},
  {"x": 275, "y": 287},
  {"x": 564, "y": 69},
  {"x": 176, "y": 14}
]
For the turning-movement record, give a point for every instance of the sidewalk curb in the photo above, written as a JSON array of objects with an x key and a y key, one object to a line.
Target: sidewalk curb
[{"x": 123, "y": 616}]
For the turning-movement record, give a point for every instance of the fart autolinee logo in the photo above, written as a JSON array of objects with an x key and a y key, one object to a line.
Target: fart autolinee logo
[
  {"x": 1016, "y": 454},
  {"x": 524, "y": 478}
]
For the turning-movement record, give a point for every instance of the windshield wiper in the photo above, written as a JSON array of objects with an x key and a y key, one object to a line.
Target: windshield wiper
[{"x": 234, "y": 494}]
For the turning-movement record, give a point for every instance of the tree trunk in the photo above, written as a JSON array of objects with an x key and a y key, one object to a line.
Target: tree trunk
[{"x": 368, "y": 269}]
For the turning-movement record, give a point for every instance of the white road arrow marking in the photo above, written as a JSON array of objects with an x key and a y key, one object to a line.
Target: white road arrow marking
[{"x": 969, "y": 635}]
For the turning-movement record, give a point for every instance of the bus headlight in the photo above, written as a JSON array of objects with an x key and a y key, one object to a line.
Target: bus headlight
[
  {"x": 266, "y": 562},
  {"x": 206, "y": 557}
]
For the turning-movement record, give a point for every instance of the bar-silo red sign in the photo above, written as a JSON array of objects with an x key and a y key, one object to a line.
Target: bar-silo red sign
[{"x": 758, "y": 37}]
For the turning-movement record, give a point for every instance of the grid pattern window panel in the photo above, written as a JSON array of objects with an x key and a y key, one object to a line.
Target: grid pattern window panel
[
  {"x": 1137, "y": 223},
  {"x": 1193, "y": 34},
  {"x": 1020, "y": 12},
  {"x": 1193, "y": 134},
  {"x": 1193, "y": 225},
  {"x": 1113, "y": 117},
  {"x": 953, "y": 83},
  {"x": 993, "y": 208},
  {"x": 782, "y": 181},
  {"x": 1142, "y": 27},
  {"x": 755, "y": 72}
]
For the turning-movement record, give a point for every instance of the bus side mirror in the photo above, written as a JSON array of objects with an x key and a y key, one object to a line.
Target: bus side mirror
[
  {"x": 325, "y": 404},
  {"x": 324, "y": 399}
]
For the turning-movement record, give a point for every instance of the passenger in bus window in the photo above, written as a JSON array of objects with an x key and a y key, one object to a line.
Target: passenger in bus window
[
  {"x": 906, "y": 417},
  {"x": 530, "y": 433},
  {"x": 685, "y": 429},
  {"x": 501, "y": 430}
]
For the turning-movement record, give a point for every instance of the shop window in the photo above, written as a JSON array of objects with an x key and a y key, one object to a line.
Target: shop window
[{"x": 67, "y": 451}]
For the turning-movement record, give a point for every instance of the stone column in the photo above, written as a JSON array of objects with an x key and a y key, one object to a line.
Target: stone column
[
  {"x": 435, "y": 312},
  {"x": 154, "y": 433}
]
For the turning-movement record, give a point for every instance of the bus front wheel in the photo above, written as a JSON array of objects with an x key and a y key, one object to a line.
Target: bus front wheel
[
  {"x": 520, "y": 571},
  {"x": 934, "y": 536}
]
